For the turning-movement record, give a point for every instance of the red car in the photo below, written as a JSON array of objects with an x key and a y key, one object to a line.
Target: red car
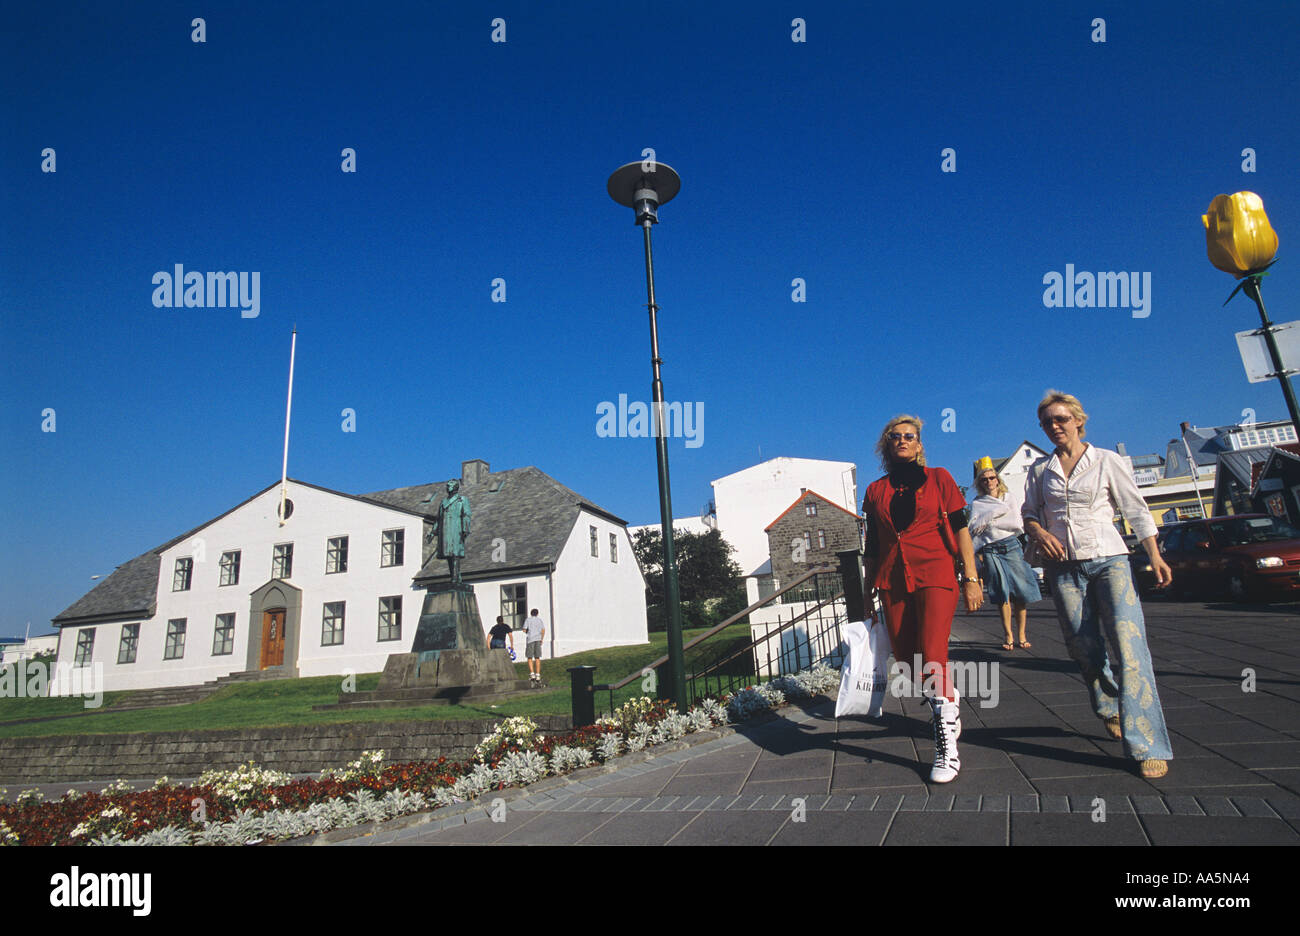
[{"x": 1246, "y": 557}]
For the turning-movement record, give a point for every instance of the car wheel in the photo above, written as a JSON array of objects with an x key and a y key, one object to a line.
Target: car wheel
[{"x": 1237, "y": 587}]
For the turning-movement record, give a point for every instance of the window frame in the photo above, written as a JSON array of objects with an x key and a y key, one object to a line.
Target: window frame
[
  {"x": 174, "y": 647},
  {"x": 392, "y": 553},
  {"x": 184, "y": 571},
  {"x": 223, "y": 634},
  {"x": 282, "y": 561},
  {"x": 128, "y": 643},
  {"x": 390, "y": 611},
  {"x": 328, "y": 627},
  {"x": 85, "y": 651},
  {"x": 336, "y": 555}
]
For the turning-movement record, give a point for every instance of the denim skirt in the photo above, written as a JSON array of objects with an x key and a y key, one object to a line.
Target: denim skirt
[{"x": 1008, "y": 574}]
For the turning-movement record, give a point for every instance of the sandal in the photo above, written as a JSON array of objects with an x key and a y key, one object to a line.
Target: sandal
[
  {"x": 1008, "y": 646},
  {"x": 1025, "y": 645},
  {"x": 1112, "y": 726},
  {"x": 1153, "y": 769}
]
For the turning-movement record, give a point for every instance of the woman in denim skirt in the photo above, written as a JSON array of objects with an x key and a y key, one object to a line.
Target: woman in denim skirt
[
  {"x": 995, "y": 528},
  {"x": 1070, "y": 500}
]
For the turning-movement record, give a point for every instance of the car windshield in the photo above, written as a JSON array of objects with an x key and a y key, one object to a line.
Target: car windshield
[{"x": 1245, "y": 530}]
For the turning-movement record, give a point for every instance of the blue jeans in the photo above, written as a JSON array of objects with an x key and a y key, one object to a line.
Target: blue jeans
[{"x": 1096, "y": 602}]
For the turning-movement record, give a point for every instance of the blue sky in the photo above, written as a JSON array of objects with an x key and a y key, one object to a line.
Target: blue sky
[{"x": 476, "y": 160}]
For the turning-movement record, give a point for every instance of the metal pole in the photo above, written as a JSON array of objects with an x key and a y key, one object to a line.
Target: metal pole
[
  {"x": 1251, "y": 289},
  {"x": 672, "y": 596}
]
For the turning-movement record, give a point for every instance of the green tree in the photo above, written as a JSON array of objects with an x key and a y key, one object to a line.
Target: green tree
[{"x": 710, "y": 583}]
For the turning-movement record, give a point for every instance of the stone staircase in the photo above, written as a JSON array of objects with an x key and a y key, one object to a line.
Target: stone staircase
[{"x": 184, "y": 695}]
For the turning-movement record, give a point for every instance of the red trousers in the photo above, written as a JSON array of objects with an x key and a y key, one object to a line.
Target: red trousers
[{"x": 921, "y": 621}]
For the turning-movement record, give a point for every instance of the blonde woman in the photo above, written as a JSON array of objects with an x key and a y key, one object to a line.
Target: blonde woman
[
  {"x": 909, "y": 562},
  {"x": 1071, "y": 498},
  {"x": 995, "y": 528}
]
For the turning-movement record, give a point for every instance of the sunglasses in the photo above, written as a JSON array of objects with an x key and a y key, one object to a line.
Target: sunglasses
[
  {"x": 1056, "y": 421},
  {"x": 904, "y": 436}
]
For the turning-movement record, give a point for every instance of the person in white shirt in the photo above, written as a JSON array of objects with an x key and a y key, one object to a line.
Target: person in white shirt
[
  {"x": 1071, "y": 499},
  {"x": 534, "y": 631},
  {"x": 995, "y": 527}
]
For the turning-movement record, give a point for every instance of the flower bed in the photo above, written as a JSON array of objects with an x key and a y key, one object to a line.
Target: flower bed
[{"x": 250, "y": 804}]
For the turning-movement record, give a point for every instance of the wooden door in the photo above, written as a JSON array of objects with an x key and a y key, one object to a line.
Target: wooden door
[{"x": 272, "y": 638}]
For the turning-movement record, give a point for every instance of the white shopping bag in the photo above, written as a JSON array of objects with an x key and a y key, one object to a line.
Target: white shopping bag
[{"x": 862, "y": 687}]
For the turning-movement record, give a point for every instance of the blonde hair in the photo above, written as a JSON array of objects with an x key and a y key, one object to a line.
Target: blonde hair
[
  {"x": 1052, "y": 397},
  {"x": 882, "y": 446}
]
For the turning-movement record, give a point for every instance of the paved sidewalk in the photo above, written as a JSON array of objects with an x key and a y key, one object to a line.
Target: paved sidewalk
[{"x": 1037, "y": 768}]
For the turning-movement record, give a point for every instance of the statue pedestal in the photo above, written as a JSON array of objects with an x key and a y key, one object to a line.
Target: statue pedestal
[{"x": 450, "y": 649}]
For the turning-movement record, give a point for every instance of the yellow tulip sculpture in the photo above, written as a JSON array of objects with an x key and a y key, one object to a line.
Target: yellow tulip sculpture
[{"x": 1238, "y": 237}]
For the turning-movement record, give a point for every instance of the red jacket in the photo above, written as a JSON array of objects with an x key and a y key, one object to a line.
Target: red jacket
[{"x": 919, "y": 549}]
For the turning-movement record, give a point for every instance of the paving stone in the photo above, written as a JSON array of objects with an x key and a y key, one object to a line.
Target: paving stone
[
  {"x": 859, "y": 828},
  {"x": 730, "y": 828},
  {"x": 1075, "y": 829},
  {"x": 1027, "y": 803},
  {"x": 1184, "y": 806},
  {"x": 1150, "y": 806},
  {"x": 638, "y": 828},
  {"x": 1214, "y": 830},
  {"x": 946, "y": 828},
  {"x": 1216, "y": 805},
  {"x": 1053, "y": 803},
  {"x": 966, "y": 803},
  {"x": 939, "y": 802},
  {"x": 995, "y": 802},
  {"x": 838, "y": 802},
  {"x": 1253, "y": 806}
]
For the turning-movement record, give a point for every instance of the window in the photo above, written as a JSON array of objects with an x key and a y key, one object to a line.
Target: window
[
  {"x": 175, "y": 648},
  {"x": 613, "y": 547},
  {"x": 230, "y": 568},
  {"x": 821, "y": 539},
  {"x": 336, "y": 555},
  {"x": 181, "y": 577},
  {"x": 390, "y": 618},
  {"x": 85, "y": 646},
  {"x": 392, "y": 548},
  {"x": 514, "y": 602},
  {"x": 1190, "y": 513},
  {"x": 282, "y": 561},
  {"x": 595, "y": 542},
  {"x": 810, "y": 509},
  {"x": 223, "y": 638},
  {"x": 129, "y": 643},
  {"x": 331, "y": 628},
  {"x": 807, "y": 539}
]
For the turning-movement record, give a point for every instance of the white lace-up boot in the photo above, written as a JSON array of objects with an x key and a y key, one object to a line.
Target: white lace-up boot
[{"x": 947, "y": 729}]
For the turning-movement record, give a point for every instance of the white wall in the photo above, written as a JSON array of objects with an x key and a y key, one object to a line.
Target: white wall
[
  {"x": 749, "y": 500},
  {"x": 254, "y": 530},
  {"x": 598, "y": 603}
]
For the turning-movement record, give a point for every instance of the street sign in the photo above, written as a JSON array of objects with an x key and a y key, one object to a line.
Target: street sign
[{"x": 1255, "y": 356}]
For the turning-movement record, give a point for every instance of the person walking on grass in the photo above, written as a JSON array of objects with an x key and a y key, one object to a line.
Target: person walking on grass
[
  {"x": 534, "y": 631},
  {"x": 1071, "y": 499}
]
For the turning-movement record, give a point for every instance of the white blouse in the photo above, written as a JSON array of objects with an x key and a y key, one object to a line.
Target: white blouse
[
  {"x": 1080, "y": 510},
  {"x": 992, "y": 520}
]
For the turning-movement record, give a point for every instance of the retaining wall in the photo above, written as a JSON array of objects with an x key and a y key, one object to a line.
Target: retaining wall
[{"x": 291, "y": 748}]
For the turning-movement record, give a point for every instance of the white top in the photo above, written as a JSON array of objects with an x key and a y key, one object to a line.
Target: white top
[
  {"x": 1080, "y": 510},
  {"x": 992, "y": 520},
  {"x": 534, "y": 626}
]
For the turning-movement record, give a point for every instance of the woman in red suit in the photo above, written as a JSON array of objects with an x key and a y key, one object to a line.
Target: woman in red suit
[{"x": 910, "y": 563}]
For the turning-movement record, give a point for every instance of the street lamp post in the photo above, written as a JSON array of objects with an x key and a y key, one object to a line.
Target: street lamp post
[{"x": 644, "y": 186}]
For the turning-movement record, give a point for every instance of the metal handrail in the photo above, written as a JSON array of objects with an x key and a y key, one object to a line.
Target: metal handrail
[
  {"x": 767, "y": 636},
  {"x": 614, "y": 687}
]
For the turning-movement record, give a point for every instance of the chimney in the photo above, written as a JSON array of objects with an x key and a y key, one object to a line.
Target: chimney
[
  {"x": 1119, "y": 447},
  {"x": 474, "y": 471}
]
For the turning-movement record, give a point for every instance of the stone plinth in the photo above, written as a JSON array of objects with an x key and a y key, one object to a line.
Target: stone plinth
[{"x": 449, "y": 649}]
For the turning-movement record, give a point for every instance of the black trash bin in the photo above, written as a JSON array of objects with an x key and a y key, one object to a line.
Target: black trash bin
[{"x": 584, "y": 696}]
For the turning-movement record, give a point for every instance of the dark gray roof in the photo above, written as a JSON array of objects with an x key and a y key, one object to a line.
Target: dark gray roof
[
  {"x": 131, "y": 591},
  {"x": 530, "y": 510},
  {"x": 526, "y": 508}
]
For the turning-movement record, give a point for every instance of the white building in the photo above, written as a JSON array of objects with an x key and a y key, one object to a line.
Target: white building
[
  {"x": 340, "y": 583},
  {"x": 13, "y": 650},
  {"x": 748, "y": 500}
]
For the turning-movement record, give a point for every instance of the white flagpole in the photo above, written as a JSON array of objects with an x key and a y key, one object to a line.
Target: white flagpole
[
  {"x": 288, "y": 408},
  {"x": 1196, "y": 478}
]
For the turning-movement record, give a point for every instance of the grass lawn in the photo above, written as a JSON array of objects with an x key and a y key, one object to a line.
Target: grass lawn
[{"x": 290, "y": 701}]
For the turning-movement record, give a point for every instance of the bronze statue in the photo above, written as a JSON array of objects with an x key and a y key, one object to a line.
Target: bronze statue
[{"x": 452, "y": 528}]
